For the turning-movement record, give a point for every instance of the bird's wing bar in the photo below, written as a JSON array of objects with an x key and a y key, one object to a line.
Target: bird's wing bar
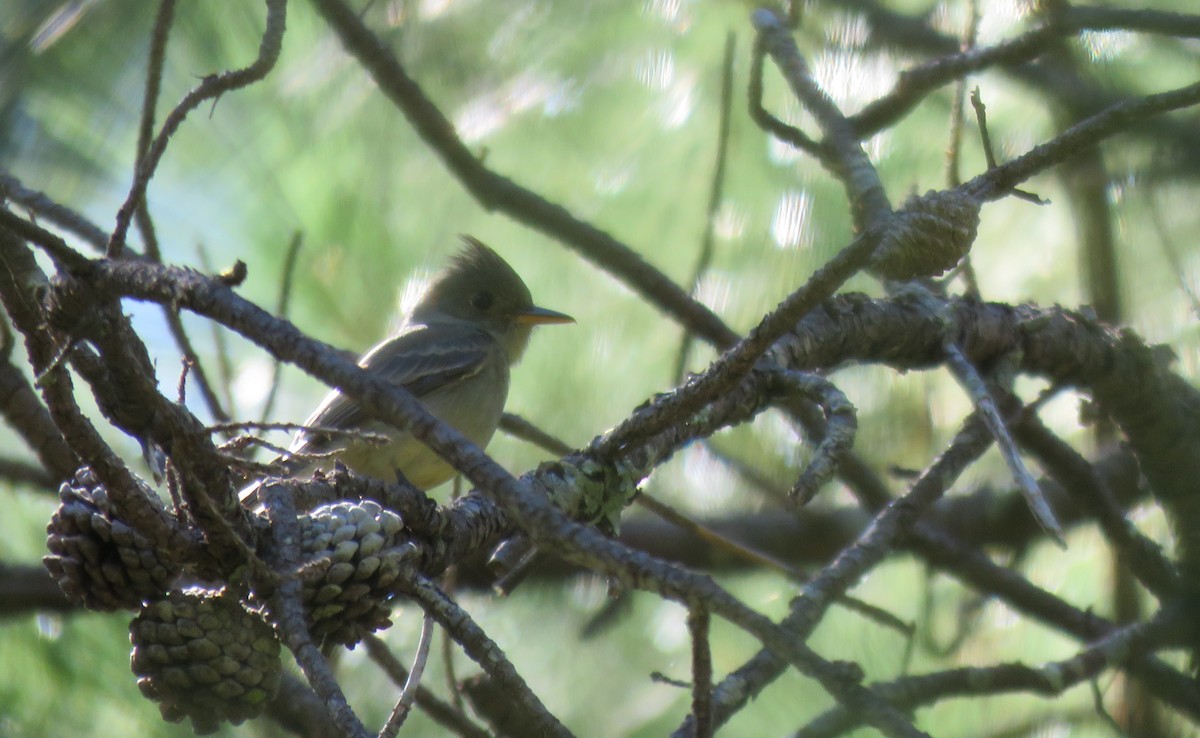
[{"x": 420, "y": 360}]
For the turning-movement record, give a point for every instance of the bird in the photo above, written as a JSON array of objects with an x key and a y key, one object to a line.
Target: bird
[{"x": 452, "y": 351}]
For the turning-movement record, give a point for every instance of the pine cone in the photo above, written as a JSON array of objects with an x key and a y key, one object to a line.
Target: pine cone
[
  {"x": 200, "y": 654},
  {"x": 354, "y": 558},
  {"x": 929, "y": 235},
  {"x": 98, "y": 560}
]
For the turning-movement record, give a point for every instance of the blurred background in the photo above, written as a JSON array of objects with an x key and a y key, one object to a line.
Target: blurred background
[{"x": 611, "y": 109}]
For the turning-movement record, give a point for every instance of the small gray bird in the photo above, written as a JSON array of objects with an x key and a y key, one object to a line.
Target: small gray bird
[{"x": 453, "y": 353}]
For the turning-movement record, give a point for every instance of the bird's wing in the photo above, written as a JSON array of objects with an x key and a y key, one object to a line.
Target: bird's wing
[{"x": 421, "y": 360}]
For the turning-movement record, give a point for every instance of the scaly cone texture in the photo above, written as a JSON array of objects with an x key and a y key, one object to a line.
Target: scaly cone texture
[
  {"x": 354, "y": 557},
  {"x": 201, "y": 654},
  {"x": 98, "y": 560}
]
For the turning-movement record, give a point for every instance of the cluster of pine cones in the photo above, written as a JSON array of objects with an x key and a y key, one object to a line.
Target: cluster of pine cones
[{"x": 208, "y": 653}]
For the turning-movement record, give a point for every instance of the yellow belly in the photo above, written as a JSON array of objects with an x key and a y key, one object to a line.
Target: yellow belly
[
  {"x": 417, "y": 462},
  {"x": 474, "y": 410}
]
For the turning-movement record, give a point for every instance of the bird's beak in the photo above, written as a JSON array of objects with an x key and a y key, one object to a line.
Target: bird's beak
[{"x": 542, "y": 316}]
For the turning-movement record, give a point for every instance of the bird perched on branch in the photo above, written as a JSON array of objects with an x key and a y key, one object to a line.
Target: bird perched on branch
[{"x": 452, "y": 352}]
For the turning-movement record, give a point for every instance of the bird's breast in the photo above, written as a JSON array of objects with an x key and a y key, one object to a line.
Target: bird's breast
[{"x": 472, "y": 406}]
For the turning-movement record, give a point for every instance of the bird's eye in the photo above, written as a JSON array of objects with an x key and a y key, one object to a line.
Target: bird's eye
[{"x": 482, "y": 300}]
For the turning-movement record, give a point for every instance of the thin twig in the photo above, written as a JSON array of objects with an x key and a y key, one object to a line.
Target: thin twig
[
  {"x": 869, "y": 206},
  {"x": 989, "y": 154},
  {"x": 917, "y": 82},
  {"x": 762, "y": 118},
  {"x": 1000, "y": 181},
  {"x": 448, "y": 716},
  {"x": 57, "y": 248},
  {"x": 717, "y": 540},
  {"x": 241, "y": 443},
  {"x": 660, "y": 678},
  {"x": 1048, "y": 679},
  {"x": 290, "y": 260},
  {"x": 42, "y": 206},
  {"x": 154, "y": 70},
  {"x": 211, "y": 87},
  {"x": 354, "y": 433},
  {"x": 985, "y": 136},
  {"x": 19, "y": 471},
  {"x": 702, "y": 671},
  {"x": 966, "y": 617},
  {"x": 408, "y": 695},
  {"x": 1144, "y": 557},
  {"x": 837, "y": 438},
  {"x": 224, "y": 362},
  {"x": 954, "y": 150},
  {"x": 519, "y": 427},
  {"x": 715, "y": 193},
  {"x": 957, "y": 117},
  {"x": 968, "y": 376},
  {"x": 450, "y": 580},
  {"x": 485, "y": 652},
  {"x": 1165, "y": 240},
  {"x": 58, "y": 361},
  {"x": 179, "y": 333},
  {"x": 750, "y": 473},
  {"x": 181, "y": 385}
]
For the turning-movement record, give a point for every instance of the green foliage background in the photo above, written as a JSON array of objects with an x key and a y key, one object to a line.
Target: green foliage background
[{"x": 611, "y": 109}]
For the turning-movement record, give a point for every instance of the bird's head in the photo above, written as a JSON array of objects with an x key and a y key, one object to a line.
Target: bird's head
[{"x": 479, "y": 287}]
